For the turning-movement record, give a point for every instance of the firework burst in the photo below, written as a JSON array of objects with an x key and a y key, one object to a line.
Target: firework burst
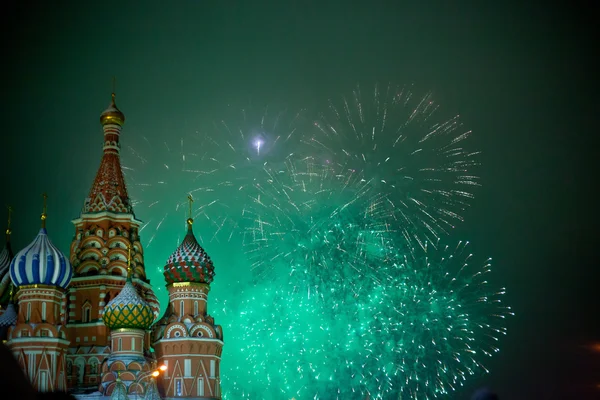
[
  {"x": 420, "y": 335},
  {"x": 305, "y": 217},
  {"x": 396, "y": 141}
]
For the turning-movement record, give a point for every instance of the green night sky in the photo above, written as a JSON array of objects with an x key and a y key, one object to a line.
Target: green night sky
[{"x": 190, "y": 72}]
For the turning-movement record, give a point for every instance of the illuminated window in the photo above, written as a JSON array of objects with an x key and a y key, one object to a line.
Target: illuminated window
[{"x": 166, "y": 364}]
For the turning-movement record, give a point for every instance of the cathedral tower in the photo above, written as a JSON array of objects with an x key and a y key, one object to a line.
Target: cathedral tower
[
  {"x": 38, "y": 340},
  {"x": 129, "y": 317},
  {"x": 186, "y": 339},
  {"x": 104, "y": 231}
]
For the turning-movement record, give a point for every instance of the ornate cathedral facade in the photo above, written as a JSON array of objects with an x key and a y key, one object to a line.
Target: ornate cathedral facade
[{"x": 89, "y": 323}]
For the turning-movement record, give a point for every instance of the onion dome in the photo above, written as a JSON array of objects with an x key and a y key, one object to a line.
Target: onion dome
[
  {"x": 112, "y": 115},
  {"x": 9, "y": 317},
  {"x": 41, "y": 262},
  {"x": 153, "y": 302},
  {"x": 6, "y": 256},
  {"x": 128, "y": 309},
  {"x": 189, "y": 263}
]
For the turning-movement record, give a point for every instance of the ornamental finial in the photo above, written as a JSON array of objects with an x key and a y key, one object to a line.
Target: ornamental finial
[
  {"x": 114, "y": 91},
  {"x": 190, "y": 220},
  {"x": 44, "y": 211},
  {"x": 8, "y": 231}
]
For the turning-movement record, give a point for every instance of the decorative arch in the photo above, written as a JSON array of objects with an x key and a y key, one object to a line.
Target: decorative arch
[
  {"x": 118, "y": 270},
  {"x": 127, "y": 376},
  {"x": 175, "y": 331},
  {"x": 88, "y": 267},
  {"x": 94, "y": 363},
  {"x": 117, "y": 241},
  {"x": 86, "y": 311},
  {"x": 117, "y": 255},
  {"x": 137, "y": 246},
  {"x": 117, "y": 366},
  {"x": 90, "y": 241},
  {"x": 135, "y": 366},
  {"x": 109, "y": 388},
  {"x": 79, "y": 371},
  {"x": 90, "y": 253},
  {"x": 45, "y": 330},
  {"x": 136, "y": 388},
  {"x": 202, "y": 330},
  {"x": 22, "y": 330}
]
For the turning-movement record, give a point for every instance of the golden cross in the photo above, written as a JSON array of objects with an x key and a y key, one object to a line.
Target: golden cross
[
  {"x": 44, "y": 215},
  {"x": 10, "y": 210},
  {"x": 191, "y": 200}
]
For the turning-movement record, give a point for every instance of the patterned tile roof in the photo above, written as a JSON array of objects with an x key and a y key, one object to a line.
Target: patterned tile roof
[{"x": 189, "y": 263}]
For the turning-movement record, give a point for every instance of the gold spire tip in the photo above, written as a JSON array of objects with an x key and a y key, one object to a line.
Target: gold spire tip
[
  {"x": 190, "y": 220},
  {"x": 8, "y": 231},
  {"x": 44, "y": 211}
]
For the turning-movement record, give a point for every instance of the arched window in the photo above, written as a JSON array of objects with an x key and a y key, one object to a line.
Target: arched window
[
  {"x": 195, "y": 308},
  {"x": 44, "y": 311},
  {"x": 93, "y": 366},
  {"x": 86, "y": 312},
  {"x": 120, "y": 347},
  {"x": 181, "y": 308}
]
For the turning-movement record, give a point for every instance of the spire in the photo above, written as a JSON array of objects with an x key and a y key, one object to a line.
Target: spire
[
  {"x": 109, "y": 193},
  {"x": 190, "y": 220},
  {"x": 8, "y": 231},
  {"x": 44, "y": 210},
  {"x": 112, "y": 115}
]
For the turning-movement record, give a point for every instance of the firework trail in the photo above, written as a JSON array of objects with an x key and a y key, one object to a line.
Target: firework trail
[
  {"x": 307, "y": 218},
  {"x": 397, "y": 141}
]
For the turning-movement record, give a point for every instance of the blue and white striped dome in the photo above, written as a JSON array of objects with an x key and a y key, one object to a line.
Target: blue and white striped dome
[{"x": 41, "y": 263}]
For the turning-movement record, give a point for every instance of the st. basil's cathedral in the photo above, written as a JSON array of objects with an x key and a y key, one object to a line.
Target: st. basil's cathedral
[{"x": 87, "y": 323}]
